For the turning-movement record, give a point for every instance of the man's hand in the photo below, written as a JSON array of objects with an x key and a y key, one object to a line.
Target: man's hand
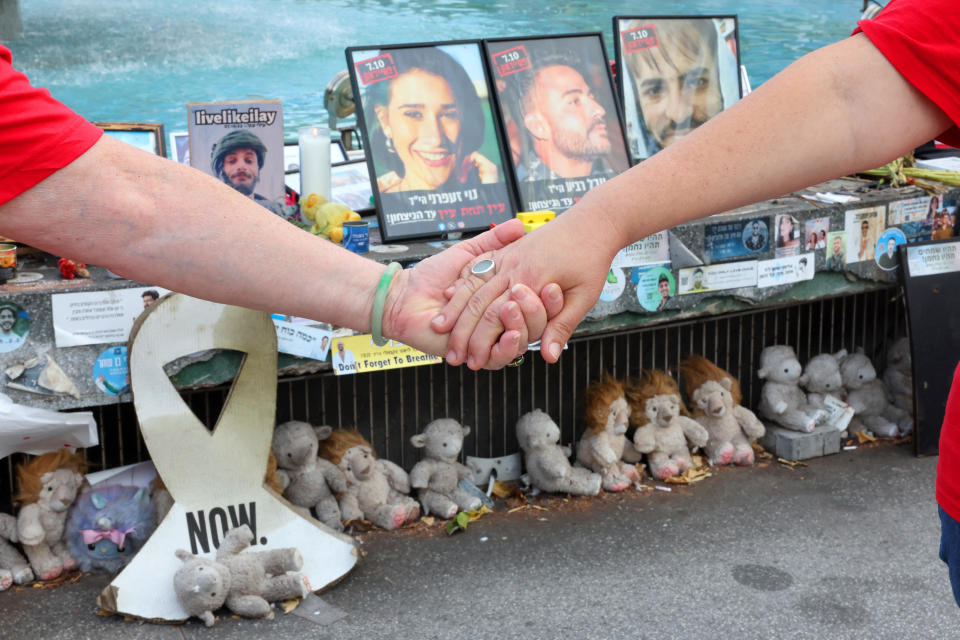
[{"x": 417, "y": 295}]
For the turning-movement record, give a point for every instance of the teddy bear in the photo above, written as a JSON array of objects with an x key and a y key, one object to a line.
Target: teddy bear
[
  {"x": 868, "y": 397},
  {"x": 663, "y": 426},
  {"x": 437, "y": 477},
  {"x": 547, "y": 463},
  {"x": 48, "y": 486},
  {"x": 716, "y": 396},
  {"x": 781, "y": 399},
  {"x": 107, "y": 525},
  {"x": 604, "y": 445},
  {"x": 13, "y": 566},
  {"x": 376, "y": 489},
  {"x": 246, "y": 582},
  {"x": 311, "y": 482},
  {"x": 821, "y": 378},
  {"x": 898, "y": 376}
]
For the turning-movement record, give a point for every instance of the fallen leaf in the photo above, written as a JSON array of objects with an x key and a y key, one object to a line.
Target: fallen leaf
[
  {"x": 103, "y": 613},
  {"x": 501, "y": 490},
  {"x": 520, "y": 508},
  {"x": 428, "y": 520},
  {"x": 863, "y": 437},
  {"x": 476, "y": 514},
  {"x": 792, "y": 463},
  {"x": 290, "y": 605}
]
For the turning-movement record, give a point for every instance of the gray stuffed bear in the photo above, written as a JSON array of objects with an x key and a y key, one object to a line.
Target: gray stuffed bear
[
  {"x": 13, "y": 566},
  {"x": 311, "y": 481},
  {"x": 547, "y": 463},
  {"x": 898, "y": 376},
  {"x": 437, "y": 477},
  {"x": 246, "y": 582},
  {"x": 782, "y": 400},
  {"x": 821, "y": 378},
  {"x": 868, "y": 397},
  {"x": 379, "y": 487}
]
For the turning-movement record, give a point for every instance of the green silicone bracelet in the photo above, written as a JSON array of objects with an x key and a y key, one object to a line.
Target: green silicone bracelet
[{"x": 376, "y": 316}]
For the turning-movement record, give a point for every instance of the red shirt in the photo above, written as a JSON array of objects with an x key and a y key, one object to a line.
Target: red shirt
[
  {"x": 38, "y": 135},
  {"x": 921, "y": 39}
]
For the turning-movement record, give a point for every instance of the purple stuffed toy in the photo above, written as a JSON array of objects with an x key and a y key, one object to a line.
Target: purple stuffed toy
[{"x": 108, "y": 525}]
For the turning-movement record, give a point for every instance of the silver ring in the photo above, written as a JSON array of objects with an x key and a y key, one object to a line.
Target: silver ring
[{"x": 484, "y": 266}]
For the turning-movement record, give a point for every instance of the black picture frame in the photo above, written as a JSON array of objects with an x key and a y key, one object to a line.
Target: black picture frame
[
  {"x": 565, "y": 128},
  {"x": 652, "y": 129},
  {"x": 351, "y": 185},
  {"x": 143, "y": 135},
  {"x": 451, "y": 186}
]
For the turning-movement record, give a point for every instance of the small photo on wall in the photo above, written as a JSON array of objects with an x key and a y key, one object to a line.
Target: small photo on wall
[
  {"x": 655, "y": 286},
  {"x": 560, "y": 114},
  {"x": 437, "y": 162},
  {"x": 788, "y": 242},
  {"x": 815, "y": 233},
  {"x": 945, "y": 220},
  {"x": 863, "y": 227},
  {"x": 836, "y": 254},
  {"x": 886, "y": 249},
  {"x": 676, "y": 72}
]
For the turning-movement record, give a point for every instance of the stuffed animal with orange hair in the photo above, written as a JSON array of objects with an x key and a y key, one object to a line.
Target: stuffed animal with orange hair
[
  {"x": 663, "y": 426},
  {"x": 376, "y": 489},
  {"x": 603, "y": 446},
  {"x": 715, "y": 396},
  {"x": 48, "y": 486}
]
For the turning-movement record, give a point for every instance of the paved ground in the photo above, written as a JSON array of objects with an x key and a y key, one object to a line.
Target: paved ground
[{"x": 843, "y": 548}]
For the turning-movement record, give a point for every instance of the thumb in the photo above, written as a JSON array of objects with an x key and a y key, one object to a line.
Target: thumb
[{"x": 561, "y": 326}]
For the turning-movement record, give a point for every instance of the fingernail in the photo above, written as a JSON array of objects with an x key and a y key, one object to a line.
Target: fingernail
[
  {"x": 470, "y": 362},
  {"x": 440, "y": 319},
  {"x": 451, "y": 357},
  {"x": 555, "y": 349},
  {"x": 517, "y": 290},
  {"x": 554, "y": 293}
]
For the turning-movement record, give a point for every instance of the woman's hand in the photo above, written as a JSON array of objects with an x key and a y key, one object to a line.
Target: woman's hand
[{"x": 486, "y": 170}]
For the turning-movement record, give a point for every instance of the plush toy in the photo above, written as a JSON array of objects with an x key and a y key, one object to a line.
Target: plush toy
[
  {"x": 48, "y": 486},
  {"x": 821, "y": 378},
  {"x": 715, "y": 395},
  {"x": 311, "y": 481},
  {"x": 898, "y": 376},
  {"x": 106, "y": 526},
  {"x": 663, "y": 426},
  {"x": 437, "y": 477},
  {"x": 547, "y": 463},
  {"x": 781, "y": 399},
  {"x": 376, "y": 489},
  {"x": 246, "y": 582},
  {"x": 868, "y": 397},
  {"x": 13, "y": 566},
  {"x": 603, "y": 445}
]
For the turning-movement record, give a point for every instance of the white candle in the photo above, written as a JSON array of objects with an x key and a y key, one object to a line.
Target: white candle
[{"x": 314, "y": 160}]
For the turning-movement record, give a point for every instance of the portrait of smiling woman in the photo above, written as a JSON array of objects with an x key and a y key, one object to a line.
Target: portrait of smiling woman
[{"x": 427, "y": 125}]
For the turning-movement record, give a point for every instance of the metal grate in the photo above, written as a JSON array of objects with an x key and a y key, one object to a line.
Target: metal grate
[{"x": 389, "y": 407}]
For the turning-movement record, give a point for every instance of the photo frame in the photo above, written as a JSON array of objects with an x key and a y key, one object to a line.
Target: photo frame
[
  {"x": 670, "y": 65},
  {"x": 147, "y": 136},
  {"x": 350, "y": 184},
  {"x": 564, "y": 127},
  {"x": 179, "y": 147},
  {"x": 434, "y": 150},
  {"x": 241, "y": 144}
]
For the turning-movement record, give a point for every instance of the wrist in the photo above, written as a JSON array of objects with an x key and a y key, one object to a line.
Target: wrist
[{"x": 378, "y": 308}]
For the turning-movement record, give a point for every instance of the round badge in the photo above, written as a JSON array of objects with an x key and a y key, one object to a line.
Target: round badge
[
  {"x": 885, "y": 253},
  {"x": 614, "y": 286},
  {"x": 111, "y": 373}
]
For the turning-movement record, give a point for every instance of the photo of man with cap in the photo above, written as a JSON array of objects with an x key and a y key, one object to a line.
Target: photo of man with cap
[{"x": 237, "y": 159}]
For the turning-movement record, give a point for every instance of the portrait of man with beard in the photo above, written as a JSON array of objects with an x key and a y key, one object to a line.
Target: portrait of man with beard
[
  {"x": 237, "y": 159},
  {"x": 567, "y": 126}
]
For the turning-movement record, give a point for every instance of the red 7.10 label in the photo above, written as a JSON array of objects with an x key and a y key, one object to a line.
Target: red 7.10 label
[
  {"x": 640, "y": 38},
  {"x": 511, "y": 60},
  {"x": 376, "y": 69}
]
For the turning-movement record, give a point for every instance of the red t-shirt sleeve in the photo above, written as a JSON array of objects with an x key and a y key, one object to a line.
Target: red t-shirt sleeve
[
  {"x": 921, "y": 39},
  {"x": 38, "y": 135}
]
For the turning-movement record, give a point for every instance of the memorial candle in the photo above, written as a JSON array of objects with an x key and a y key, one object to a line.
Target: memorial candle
[{"x": 315, "y": 160}]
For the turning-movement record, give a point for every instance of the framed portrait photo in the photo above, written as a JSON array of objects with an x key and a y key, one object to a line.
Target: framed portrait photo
[
  {"x": 674, "y": 74},
  {"x": 142, "y": 135},
  {"x": 179, "y": 147},
  {"x": 436, "y": 158},
  {"x": 557, "y": 102}
]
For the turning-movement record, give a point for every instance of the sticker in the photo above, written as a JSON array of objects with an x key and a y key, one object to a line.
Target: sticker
[
  {"x": 110, "y": 372},
  {"x": 735, "y": 239},
  {"x": 358, "y": 354},
  {"x": 640, "y": 38},
  {"x": 838, "y": 413},
  {"x": 653, "y": 249},
  {"x": 815, "y": 233},
  {"x": 944, "y": 221},
  {"x": 787, "y": 236},
  {"x": 511, "y": 60},
  {"x": 915, "y": 216},
  {"x": 613, "y": 287},
  {"x": 299, "y": 340},
  {"x": 836, "y": 254},
  {"x": 863, "y": 227},
  {"x": 99, "y": 317},
  {"x": 886, "y": 249},
  {"x": 715, "y": 277},
  {"x": 388, "y": 248},
  {"x": 655, "y": 287},
  {"x": 14, "y": 326},
  {"x": 933, "y": 259},
  {"x": 788, "y": 270},
  {"x": 376, "y": 69}
]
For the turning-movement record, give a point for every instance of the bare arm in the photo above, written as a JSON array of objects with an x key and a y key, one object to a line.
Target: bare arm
[
  {"x": 837, "y": 110},
  {"x": 153, "y": 220}
]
